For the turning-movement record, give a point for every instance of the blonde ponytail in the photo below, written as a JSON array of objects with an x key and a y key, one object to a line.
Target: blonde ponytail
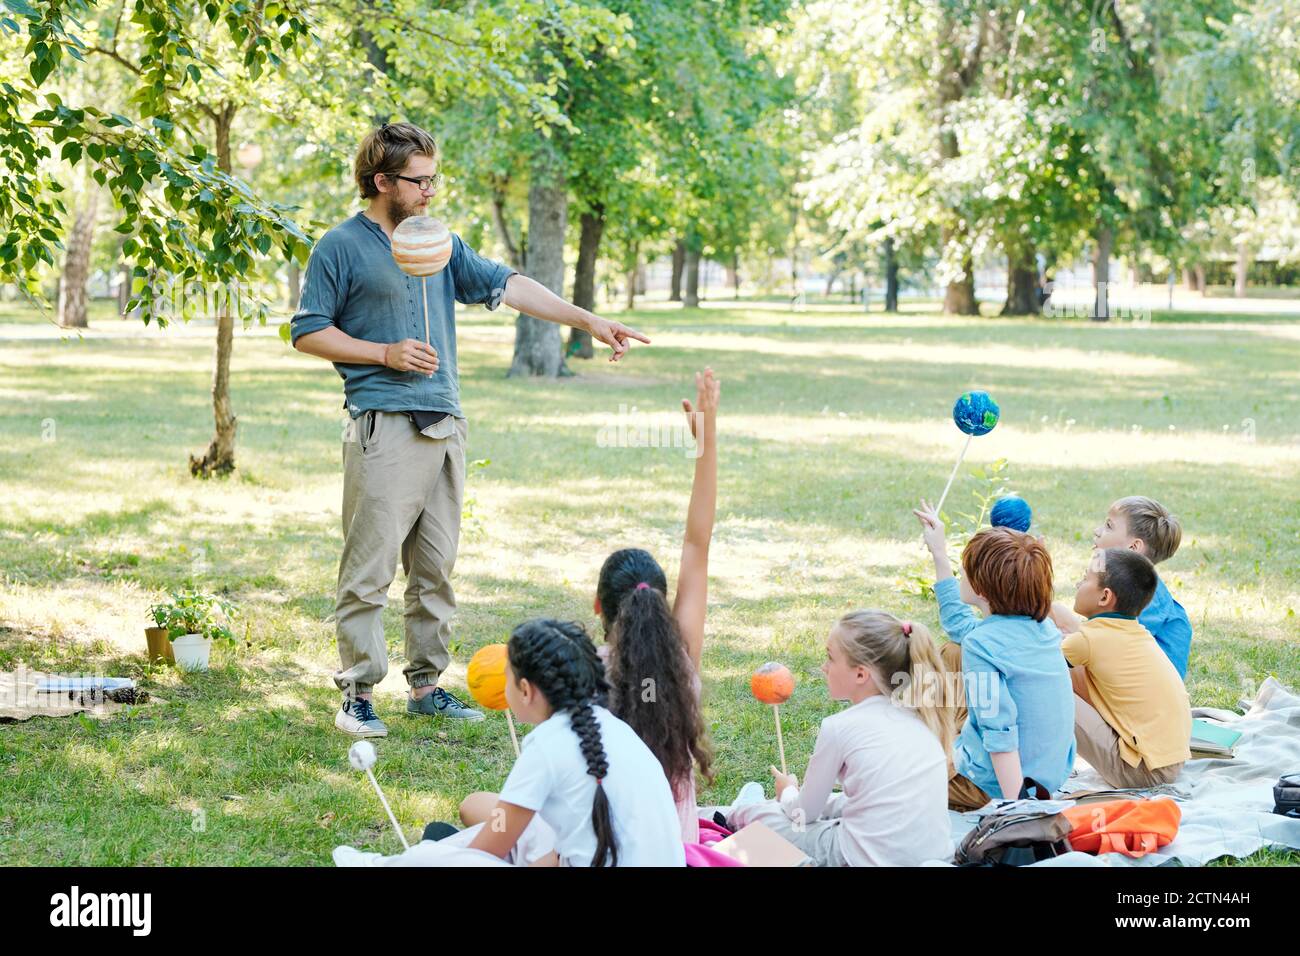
[
  {"x": 928, "y": 690},
  {"x": 907, "y": 659}
]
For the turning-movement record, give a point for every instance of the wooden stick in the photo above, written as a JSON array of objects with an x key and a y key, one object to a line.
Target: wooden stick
[
  {"x": 960, "y": 458},
  {"x": 780, "y": 742},
  {"x": 513, "y": 738},
  {"x": 424, "y": 292},
  {"x": 384, "y": 800}
]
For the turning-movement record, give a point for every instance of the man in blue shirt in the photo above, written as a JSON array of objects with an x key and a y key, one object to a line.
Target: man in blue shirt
[{"x": 404, "y": 448}]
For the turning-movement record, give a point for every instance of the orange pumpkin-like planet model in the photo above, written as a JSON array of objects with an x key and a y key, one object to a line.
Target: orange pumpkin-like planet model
[
  {"x": 772, "y": 683},
  {"x": 421, "y": 245},
  {"x": 486, "y": 676}
]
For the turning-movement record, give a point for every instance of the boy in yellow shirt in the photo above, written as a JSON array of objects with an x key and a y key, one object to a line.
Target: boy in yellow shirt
[{"x": 1132, "y": 718}]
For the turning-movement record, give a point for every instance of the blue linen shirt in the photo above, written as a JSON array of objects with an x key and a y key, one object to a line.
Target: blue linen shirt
[
  {"x": 353, "y": 283},
  {"x": 1168, "y": 623},
  {"x": 1018, "y": 693}
]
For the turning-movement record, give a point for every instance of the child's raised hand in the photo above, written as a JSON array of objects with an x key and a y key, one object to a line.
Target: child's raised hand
[
  {"x": 932, "y": 529},
  {"x": 783, "y": 780},
  {"x": 708, "y": 390}
]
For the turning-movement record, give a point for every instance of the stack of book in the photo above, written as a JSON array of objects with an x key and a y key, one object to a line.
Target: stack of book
[{"x": 1213, "y": 740}]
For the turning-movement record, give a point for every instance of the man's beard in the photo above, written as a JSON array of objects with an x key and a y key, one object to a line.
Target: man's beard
[{"x": 398, "y": 212}]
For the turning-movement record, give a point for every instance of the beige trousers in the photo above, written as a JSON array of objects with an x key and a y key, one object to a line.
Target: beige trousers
[
  {"x": 402, "y": 494},
  {"x": 1098, "y": 743}
]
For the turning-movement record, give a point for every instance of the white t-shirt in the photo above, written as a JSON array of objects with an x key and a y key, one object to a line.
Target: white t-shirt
[
  {"x": 894, "y": 775},
  {"x": 550, "y": 777}
]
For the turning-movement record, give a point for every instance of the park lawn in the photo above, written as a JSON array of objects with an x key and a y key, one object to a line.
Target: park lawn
[{"x": 833, "y": 423}]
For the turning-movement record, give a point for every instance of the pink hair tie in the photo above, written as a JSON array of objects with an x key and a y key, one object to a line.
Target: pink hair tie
[
  {"x": 907, "y": 628},
  {"x": 642, "y": 586}
]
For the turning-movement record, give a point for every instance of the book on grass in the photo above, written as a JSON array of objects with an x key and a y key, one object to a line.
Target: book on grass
[{"x": 1213, "y": 739}]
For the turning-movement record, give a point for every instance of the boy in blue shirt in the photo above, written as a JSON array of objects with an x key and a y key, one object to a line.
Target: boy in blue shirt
[
  {"x": 1018, "y": 702},
  {"x": 1144, "y": 525}
]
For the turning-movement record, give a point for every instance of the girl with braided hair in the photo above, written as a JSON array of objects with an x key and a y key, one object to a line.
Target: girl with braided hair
[
  {"x": 653, "y": 649},
  {"x": 584, "y": 772}
]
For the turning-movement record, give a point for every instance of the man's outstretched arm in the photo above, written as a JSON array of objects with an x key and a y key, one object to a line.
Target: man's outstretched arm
[{"x": 530, "y": 296}]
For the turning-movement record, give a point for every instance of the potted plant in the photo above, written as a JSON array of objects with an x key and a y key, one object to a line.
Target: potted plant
[
  {"x": 193, "y": 621},
  {"x": 160, "y": 647}
]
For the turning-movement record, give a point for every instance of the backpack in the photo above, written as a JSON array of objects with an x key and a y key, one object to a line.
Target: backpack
[
  {"x": 1131, "y": 827},
  {"x": 1286, "y": 795},
  {"x": 1016, "y": 839}
]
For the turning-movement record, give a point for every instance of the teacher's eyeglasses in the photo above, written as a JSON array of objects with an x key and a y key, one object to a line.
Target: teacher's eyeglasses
[{"x": 426, "y": 183}]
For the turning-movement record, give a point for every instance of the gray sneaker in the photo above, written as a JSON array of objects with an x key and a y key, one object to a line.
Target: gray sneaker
[
  {"x": 357, "y": 717},
  {"x": 439, "y": 703}
]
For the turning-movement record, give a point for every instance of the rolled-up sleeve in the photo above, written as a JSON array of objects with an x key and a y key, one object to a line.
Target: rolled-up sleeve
[
  {"x": 955, "y": 615},
  {"x": 324, "y": 290},
  {"x": 478, "y": 281},
  {"x": 989, "y": 701}
]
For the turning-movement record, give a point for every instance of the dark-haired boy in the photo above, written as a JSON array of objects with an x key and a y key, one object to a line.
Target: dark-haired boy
[{"x": 1132, "y": 719}]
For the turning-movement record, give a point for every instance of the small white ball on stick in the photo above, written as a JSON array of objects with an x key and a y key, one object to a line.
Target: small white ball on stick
[{"x": 362, "y": 755}]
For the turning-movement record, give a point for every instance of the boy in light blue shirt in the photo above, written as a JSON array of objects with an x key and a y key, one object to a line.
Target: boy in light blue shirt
[
  {"x": 1142, "y": 524},
  {"x": 1019, "y": 704}
]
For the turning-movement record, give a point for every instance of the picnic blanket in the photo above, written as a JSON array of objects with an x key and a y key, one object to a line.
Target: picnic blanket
[
  {"x": 1226, "y": 803},
  {"x": 22, "y": 696}
]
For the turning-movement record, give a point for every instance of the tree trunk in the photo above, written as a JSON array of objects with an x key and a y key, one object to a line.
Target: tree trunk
[
  {"x": 641, "y": 279},
  {"x": 679, "y": 265},
  {"x": 1022, "y": 282},
  {"x": 76, "y": 265},
  {"x": 692, "y": 270},
  {"x": 959, "y": 299},
  {"x": 220, "y": 456},
  {"x": 1101, "y": 275},
  {"x": 584, "y": 277},
  {"x": 1200, "y": 278},
  {"x": 124, "y": 288},
  {"x": 515, "y": 252},
  {"x": 295, "y": 284},
  {"x": 377, "y": 56},
  {"x": 1242, "y": 271},
  {"x": 960, "y": 56},
  {"x": 891, "y": 277},
  {"x": 539, "y": 348},
  {"x": 734, "y": 274}
]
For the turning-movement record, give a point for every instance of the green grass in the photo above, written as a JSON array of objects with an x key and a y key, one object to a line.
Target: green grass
[{"x": 833, "y": 424}]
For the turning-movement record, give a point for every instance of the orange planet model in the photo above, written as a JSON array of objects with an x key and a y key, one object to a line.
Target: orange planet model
[
  {"x": 772, "y": 683},
  {"x": 421, "y": 246},
  {"x": 486, "y": 676}
]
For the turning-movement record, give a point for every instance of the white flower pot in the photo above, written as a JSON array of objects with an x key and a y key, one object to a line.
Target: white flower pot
[{"x": 192, "y": 652}]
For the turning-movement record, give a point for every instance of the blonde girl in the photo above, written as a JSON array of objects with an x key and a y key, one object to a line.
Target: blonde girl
[{"x": 887, "y": 750}]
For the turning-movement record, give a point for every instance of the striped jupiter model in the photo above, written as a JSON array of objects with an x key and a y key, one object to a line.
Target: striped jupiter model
[{"x": 421, "y": 246}]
